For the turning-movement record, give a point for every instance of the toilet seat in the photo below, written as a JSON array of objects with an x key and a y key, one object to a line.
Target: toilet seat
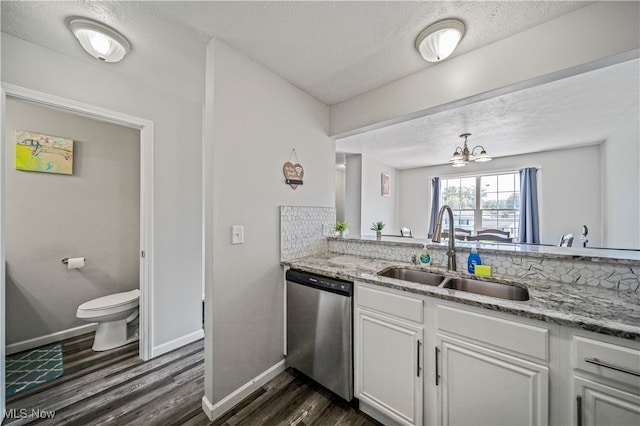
[{"x": 110, "y": 304}]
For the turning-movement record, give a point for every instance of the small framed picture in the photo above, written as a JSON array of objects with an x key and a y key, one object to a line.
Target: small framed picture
[{"x": 386, "y": 185}]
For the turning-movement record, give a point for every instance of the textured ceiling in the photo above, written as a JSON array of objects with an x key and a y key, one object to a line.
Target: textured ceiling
[
  {"x": 579, "y": 110},
  {"x": 333, "y": 50}
]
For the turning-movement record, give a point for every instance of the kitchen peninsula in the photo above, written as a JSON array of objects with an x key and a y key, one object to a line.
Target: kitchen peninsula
[{"x": 424, "y": 354}]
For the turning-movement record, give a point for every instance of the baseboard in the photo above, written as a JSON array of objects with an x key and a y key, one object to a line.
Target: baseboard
[
  {"x": 50, "y": 338},
  {"x": 214, "y": 411},
  {"x": 371, "y": 411},
  {"x": 176, "y": 343}
]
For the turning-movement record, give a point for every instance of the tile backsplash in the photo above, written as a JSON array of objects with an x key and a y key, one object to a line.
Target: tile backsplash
[
  {"x": 568, "y": 271},
  {"x": 304, "y": 230}
]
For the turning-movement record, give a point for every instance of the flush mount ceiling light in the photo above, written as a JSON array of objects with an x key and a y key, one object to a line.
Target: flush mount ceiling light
[
  {"x": 99, "y": 40},
  {"x": 439, "y": 40},
  {"x": 461, "y": 155}
]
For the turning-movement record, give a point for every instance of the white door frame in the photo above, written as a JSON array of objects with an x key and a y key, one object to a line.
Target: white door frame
[{"x": 146, "y": 205}]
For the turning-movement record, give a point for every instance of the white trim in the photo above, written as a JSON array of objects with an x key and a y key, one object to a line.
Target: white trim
[
  {"x": 214, "y": 411},
  {"x": 146, "y": 195},
  {"x": 146, "y": 241},
  {"x": 3, "y": 99},
  {"x": 50, "y": 338},
  {"x": 376, "y": 413},
  {"x": 176, "y": 343}
]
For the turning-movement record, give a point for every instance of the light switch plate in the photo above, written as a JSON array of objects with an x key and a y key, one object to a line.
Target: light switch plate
[{"x": 237, "y": 234}]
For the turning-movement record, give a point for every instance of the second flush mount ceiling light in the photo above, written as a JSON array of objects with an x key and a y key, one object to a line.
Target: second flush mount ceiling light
[
  {"x": 439, "y": 40},
  {"x": 99, "y": 40}
]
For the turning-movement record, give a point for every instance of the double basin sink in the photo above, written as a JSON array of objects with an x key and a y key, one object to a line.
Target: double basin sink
[{"x": 485, "y": 288}]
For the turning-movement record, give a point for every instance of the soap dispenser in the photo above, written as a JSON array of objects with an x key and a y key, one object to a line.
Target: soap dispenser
[
  {"x": 425, "y": 257},
  {"x": 473, "y": 260}
]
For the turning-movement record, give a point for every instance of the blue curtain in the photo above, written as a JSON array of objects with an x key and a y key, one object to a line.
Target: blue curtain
[
  {"x": 529, "y": 229},
  {"x": 435, "y": 204}
]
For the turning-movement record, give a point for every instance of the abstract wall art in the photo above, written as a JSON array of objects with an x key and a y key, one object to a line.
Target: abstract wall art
[{"x": 42, "y": 153}]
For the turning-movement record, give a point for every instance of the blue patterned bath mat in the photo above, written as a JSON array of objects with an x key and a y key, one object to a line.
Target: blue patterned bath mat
[{"x": 32, "y": 368}]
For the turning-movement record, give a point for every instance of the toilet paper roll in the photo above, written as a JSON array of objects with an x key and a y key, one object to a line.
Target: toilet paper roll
[{"x": 75, "y": 262}]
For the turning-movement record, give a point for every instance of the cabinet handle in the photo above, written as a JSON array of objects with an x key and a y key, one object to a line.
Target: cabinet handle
[
  {"x": 418, "y": 359},
  {"x": 437, "y": 375},
  {"x": 599, "y": 363},
  {"x": 579, "y": 410}
]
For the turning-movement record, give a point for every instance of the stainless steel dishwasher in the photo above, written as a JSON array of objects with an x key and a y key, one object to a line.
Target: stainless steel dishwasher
[{"x": 319, "y": 330}]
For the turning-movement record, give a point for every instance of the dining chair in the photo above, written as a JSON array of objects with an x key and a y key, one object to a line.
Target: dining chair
[
  {"x": 493, "y": 235},
  {"x": 460, "y": 233},
  {"x": 566, "y": 240}
]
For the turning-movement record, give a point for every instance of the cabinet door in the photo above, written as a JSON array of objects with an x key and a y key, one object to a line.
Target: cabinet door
[
  {"x": 388, "y": 372},
  {"x": 601, "y": 405},
  {"x": 479, "y": 386}
]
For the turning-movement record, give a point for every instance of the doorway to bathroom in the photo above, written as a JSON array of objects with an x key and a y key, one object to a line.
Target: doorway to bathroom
[
  {"x": 137, "y": 235},
  {"x": 72, "y": 229}
]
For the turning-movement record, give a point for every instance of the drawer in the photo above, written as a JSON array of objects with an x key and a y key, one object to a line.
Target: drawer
[
  {"x": 497, "y": 332},
  {"x": 607, "y": 360},
  {"x": 393, "y": 304}
]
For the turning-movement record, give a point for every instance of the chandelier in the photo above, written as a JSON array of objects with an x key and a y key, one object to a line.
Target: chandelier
[{"x": 461, "y": 155}]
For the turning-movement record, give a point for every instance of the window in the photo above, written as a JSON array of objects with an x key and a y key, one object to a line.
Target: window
[{"x": 483, "y": 202}]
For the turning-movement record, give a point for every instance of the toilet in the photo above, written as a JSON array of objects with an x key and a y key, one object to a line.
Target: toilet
[{"x": 116, "y": 315}]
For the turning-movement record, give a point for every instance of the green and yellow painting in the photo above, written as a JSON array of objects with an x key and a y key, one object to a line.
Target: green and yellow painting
[{"x": 43, "y": 153}]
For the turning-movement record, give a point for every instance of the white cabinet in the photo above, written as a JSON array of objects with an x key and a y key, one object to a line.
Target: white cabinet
[
  {"x": 598, "y": 404},
  {"x": 479, "y": 386},
  {"x": 491, "y": 368},
  {"x": 606, "y": 382},
  {"x": 388, "y": 355},
  {"x": 484, "y": 372}
]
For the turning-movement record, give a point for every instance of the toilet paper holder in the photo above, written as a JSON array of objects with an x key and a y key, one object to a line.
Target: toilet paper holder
[{"x": 66, "y": 260}]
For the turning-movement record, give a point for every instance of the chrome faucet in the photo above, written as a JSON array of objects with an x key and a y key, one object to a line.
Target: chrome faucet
[{"x": 451, "y": 253}]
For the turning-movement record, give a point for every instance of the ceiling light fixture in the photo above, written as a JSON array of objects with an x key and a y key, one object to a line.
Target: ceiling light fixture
[
  {"x": 98, "y": 40},
  {"x": 461, "y": 155},
  {"x": 438, "y": 41}
]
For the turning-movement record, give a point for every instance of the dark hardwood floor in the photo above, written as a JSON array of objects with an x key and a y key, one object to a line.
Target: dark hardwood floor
[{"x": 116, "y": 388}]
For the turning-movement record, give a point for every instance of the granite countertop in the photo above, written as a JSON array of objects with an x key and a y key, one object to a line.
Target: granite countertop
[
  {"x": 601, "y": 310},
  {"x": 620, "y": 256}
]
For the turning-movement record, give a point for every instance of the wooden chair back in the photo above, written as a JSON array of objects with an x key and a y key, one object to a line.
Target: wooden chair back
[
  {"x": 493, "y": 235},
  {"x": 460, "y": 233}
]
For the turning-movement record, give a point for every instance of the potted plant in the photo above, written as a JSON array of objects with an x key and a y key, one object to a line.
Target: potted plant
[
  {"x": 341, "y": 227},
  {"x": 377, "y": 226}
]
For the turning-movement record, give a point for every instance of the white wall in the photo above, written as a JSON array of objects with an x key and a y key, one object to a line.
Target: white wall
[
  {"x": 94, "y": 213},
  {"x": 353, "y": 193},
  {"x": 414, "y": 193},
  {"x": 590, "y": 33},
  {"x": 376, "y": 207},
  {"x": 340, "y": 200},
  {"x": 568, "y": 184},
  {"x": 621, "y": 185},
  {"x": 253, "y": 121},
  {"x": 177, "y": 250}
]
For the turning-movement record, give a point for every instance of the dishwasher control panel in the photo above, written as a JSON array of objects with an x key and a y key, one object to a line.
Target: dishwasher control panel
[{"x": 320, "y": 282}]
